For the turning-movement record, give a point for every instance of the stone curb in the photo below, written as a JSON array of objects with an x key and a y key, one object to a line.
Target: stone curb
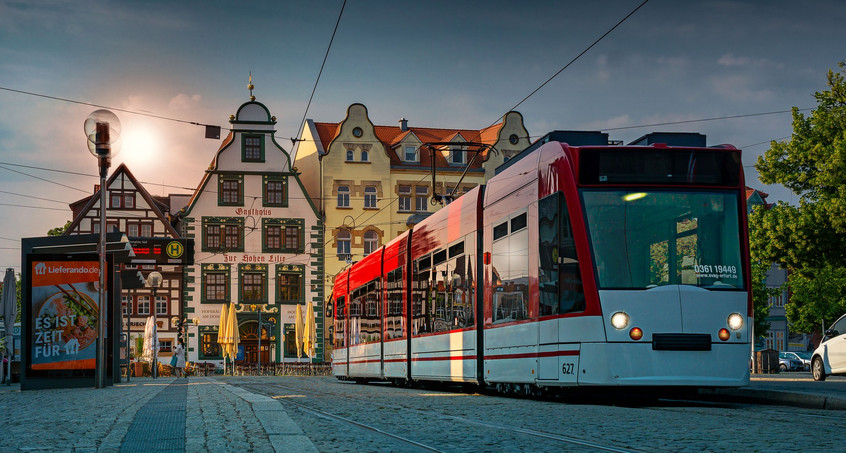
[
  {"x": 796, "y": 399},
  {"x": 284, "y": 434}
]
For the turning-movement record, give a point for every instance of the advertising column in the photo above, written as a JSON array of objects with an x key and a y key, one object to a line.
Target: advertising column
[{"x": 64, "y": 315}]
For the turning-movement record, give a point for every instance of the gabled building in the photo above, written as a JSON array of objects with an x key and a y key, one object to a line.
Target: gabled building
[
  {"x": 132, "y": 210},
  {"x": 258, "y": 241},
  {"x": 372, "y": 182}
]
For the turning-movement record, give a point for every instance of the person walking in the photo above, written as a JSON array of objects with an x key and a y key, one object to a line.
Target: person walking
[{"x": 179, "y": 353}]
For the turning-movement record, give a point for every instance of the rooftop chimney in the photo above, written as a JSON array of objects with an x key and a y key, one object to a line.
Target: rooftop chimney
[{"x": 403, "y": 124}]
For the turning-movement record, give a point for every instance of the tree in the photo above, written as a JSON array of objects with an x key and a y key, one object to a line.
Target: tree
[
  {"x": 58, "y": 231},
  {"x": 809, "y": 239}
]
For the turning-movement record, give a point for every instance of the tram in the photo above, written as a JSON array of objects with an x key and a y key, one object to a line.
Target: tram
[{"x": 574, "y": 266}]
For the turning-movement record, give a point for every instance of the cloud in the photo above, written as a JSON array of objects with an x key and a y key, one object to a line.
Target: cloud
[
  {"x": 730, "y": 60},
  {"x": 184, "y": 102},
  {"x": 740, "y": 88}
]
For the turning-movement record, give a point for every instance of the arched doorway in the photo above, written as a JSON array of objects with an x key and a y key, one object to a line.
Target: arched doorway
[{"x": 249, "y": 338}]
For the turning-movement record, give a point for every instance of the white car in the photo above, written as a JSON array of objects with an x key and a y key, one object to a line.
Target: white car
[{"x": 830, "y": 357}]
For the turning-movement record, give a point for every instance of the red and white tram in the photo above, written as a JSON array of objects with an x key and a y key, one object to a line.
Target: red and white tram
[{"x": 574, "y": 266}]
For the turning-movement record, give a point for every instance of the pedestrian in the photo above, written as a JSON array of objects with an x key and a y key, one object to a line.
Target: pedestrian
[{"x": 179, "y": 353}]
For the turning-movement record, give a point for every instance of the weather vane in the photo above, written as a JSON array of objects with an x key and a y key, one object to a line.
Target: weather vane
[{"x": 250, "y": 87}]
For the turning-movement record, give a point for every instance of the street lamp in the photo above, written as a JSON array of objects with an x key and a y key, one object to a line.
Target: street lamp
[
  {"x": 102, "y": 128},
  {"x": 154, "y": 280}
]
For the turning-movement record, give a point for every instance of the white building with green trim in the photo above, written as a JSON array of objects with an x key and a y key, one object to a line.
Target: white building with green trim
[{"x": 258, "y": 243}]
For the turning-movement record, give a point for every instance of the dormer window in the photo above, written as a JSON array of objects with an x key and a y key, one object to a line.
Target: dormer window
[
  {"x": 365, "y": 157},
  {"x": 456, "y": 156},
  {"x": 350, "y": 155},
  {"x": 410, "y": 154}
]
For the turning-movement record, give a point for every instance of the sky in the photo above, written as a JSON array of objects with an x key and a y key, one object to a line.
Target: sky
[{"x": 437, "y": 63}]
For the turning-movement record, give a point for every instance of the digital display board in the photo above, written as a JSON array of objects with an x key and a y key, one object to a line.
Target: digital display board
[{"x": 162, "y": 251}]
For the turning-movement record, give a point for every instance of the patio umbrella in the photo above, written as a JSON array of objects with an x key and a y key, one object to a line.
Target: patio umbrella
[
  {"x": 309, "y": 331},
  {"x": 298, "y": 330},
  {"x": 9, "y": 302},
  {"x": 221, "y": 334},
  {"x": 232, "y": 334},
  {"x": 151, "y": 341}
]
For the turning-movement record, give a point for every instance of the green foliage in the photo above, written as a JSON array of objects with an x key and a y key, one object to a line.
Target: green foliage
[
  {"x": 58, "y": 231},
  {"x": 818, "y": 298},
  {"x": 809, "y": 239},
  {"x": 761, "y": 297}
]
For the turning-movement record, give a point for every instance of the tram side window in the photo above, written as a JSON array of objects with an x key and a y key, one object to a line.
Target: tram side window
[
  {"x": 340, "y": 321},
  {"x": 371, "y": 322},
  {"x": 560, "y": 279},
  {"x": 356, "y": 303},
  {"x": 510, "y": 261},
  {"x": 421, "y": 313},
  {"x": 394, "y": 320}
]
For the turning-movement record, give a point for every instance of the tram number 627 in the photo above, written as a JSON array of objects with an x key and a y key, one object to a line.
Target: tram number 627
[{"x": 567, "y": 368}]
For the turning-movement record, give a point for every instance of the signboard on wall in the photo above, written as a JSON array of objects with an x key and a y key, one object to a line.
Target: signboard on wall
[
  {"x": 64, "y": 313},
  {"x": 162, "y": 251}
]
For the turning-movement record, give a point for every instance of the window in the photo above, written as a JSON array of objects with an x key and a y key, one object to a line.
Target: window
[
  {"x": 126, "y": 305},
  {"x": 273, "y": 238},
  {"x": 230, "y": 190},
  {"x": 125, "y": 200},
  {"x": 560, "y": 280},
  {"x": 223, "y": 234},
  {"x": 422, "y": 198},
  {"x": 404, "y": 198},
  {"x": 147, "y": 230},
  {"x": 253, "y": 283},
  {"x": 252, "y": 287},
  {"x": 370, "y": 197},
  {"x": 128, "y": 201},
  {"x": 456, "y": 156},
  {"x": 115, "y": 200},
  {"x": 371, "y": 242},
  {"x": 165, "y": 345},
  {"x": 215, "y": 281},
  {"x": 668, "y": 238},
  {"x": 161, "y": 306},
  {"x": 343, "y": 196},
  {"x": 283, "y": 235},
  {"x": 209, "y": 347},
  {"x": 132, "y": 229},
  {"x": 143, "y": 305},
  {"x": 215, "y": 284},
  {"x": 343, "y": 239},
  {"x": 275, "y": 191},
  {"x": 350, "y": 155},
  {"x": 364, "y": 156},
  {"x": 410, "y": 154},
  {"x": 290, "y": 285},
  {"x": 292, "y": 238},
  {"x": 252, "y": 148}
]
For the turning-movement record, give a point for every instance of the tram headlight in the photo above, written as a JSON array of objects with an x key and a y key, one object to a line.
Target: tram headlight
[
  {"x": 620, "y": 320},
  {"x": 735, "y": 321}
]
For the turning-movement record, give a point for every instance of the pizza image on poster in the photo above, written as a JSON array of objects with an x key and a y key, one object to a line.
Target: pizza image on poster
[{"x": 65, "y": 314}]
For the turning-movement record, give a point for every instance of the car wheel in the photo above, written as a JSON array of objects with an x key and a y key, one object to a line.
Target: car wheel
[
  {"x": 817, "y": 369},
  {"x": 782, "y": 367}
]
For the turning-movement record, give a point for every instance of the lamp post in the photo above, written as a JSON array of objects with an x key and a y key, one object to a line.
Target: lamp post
[
  {"x": 154, "y": 280},
  {"x": 102, "y": 128}
]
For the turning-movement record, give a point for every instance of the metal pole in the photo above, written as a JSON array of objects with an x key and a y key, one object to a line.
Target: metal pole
[
  {"x": 155, "y": 367},
  {"x": 100, "y": 369},
  {"x": 258, "y": 367},
  {"x": 127, "y": 349}
]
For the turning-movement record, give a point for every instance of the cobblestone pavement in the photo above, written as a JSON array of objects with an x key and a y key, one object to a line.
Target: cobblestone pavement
[
  {"x": 458, "y": 422},
  {"x": 265, "y": 414}
]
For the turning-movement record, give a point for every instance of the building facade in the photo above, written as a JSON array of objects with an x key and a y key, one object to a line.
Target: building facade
[
  {"x": 132, "y": 210},
  {"x": 372, "y": 182},
  {"x": 258, "y": 242}
]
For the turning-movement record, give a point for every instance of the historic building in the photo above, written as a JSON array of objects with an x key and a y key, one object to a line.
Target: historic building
[
  {"x": 258, "y": 243},
  {"x": 133, "y": 211},
  {"x": 372, "y": 182}
]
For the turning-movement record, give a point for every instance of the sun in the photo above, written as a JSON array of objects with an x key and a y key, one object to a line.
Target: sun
[{"x": 140, "y": 146}]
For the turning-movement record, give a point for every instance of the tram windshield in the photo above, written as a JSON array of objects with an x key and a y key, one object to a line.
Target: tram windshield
[{"x": 642, "y": 239}]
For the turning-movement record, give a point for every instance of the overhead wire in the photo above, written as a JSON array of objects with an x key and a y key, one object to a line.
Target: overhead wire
[{"x": 620, "y": 22}]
